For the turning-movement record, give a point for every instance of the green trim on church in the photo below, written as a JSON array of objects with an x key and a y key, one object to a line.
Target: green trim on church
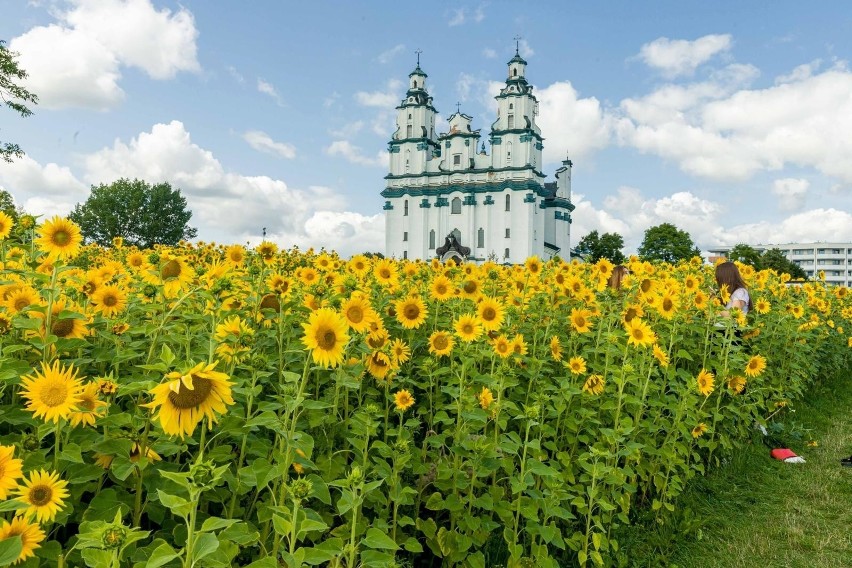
[
  {"x": 469, "y": 171},
  {"x": 534, "y": 188},
  {"x": 559, "y": 202}
]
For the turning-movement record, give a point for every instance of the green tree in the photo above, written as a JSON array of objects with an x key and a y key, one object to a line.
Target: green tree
[
  {"x": 667, "y": 243},
  {"x": 776, "y": 260},
  {"x": 142, "y": 214},
  {"x": 13, "y": 95},
  {"x": 594, "y": 247},
  {"x": 7, "y": 205},
  {"x": 745, "y": 254}
]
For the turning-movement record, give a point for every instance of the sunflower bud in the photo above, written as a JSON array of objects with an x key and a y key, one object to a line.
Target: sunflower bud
[
  {"x": 114, "y": 537},
  {"x": 300, "y": 488},
  {"x": 30, "y": 442},
  {"x": 355, "y": 476}
]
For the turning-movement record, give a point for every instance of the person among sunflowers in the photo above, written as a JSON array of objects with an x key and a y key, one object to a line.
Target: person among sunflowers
[{"x": 733, "y": 288}]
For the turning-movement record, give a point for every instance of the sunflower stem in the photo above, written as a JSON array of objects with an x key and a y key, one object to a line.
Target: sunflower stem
[{"x": 57, "y": 445}]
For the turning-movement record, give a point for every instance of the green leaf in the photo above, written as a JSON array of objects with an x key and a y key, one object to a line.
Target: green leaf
[
  {"x": 10, "y": 550},
  {"x": 282, "y": 526},
  {"x": 97, "y": 558},
  {"x": 267, "y": 562},
  {"x": 178, "y": 505},
  {"x": 11, "y": 505},
  {"x": 412, "y": 545},
  {"x": 162, "y": 555},
  {"x": 308, "y": 525},
  {"x": 205, "y": 544},
  {"x": 377, "y": 539},
  {"x": 324, "y": 552},
  {"x": 215, "y": 523}
]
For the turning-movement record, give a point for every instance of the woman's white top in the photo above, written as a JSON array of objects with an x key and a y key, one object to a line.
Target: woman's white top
[{"x": 740, "y": 294}]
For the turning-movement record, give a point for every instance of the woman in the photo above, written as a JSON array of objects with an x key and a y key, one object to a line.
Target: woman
[
  {"x": 618, "y": 274},
  {"x": 728, "y": 275}
]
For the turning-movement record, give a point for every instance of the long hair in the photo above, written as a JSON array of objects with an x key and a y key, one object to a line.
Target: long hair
[
  {"x": 618, "y": 274},
  {"x": 727, "y": 274}
]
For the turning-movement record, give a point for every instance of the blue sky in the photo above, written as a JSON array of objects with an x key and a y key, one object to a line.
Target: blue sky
[{"x": 728, "y": 119}]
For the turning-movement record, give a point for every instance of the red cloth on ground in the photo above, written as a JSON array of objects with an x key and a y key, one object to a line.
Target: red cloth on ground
[{"x": 782, "y": 453}]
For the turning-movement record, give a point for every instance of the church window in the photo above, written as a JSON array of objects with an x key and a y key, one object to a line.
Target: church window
[
  {"x": 432, "y": 239},
  {"x": 405, "y": 254},
  {"x": 509, "y": 154},
  {"x": 455, "y": 208},
  {"x": 511, "y": 121},
  {"x": 511, "y": 106},
  {"x": 506, "y": 254},
  {"x": 456, "y": 159},
  {"x": 508, "y": 233},
  {"x": 480, "y": 238},
  {"x": 405, "y": 208},
  {"x": 508, "y": 203},
  {"x": 408, "y": 131},
  {"x": 514, "y": 71},
  {"x": 405, "y": 235},
  {"x": 409, "y": 116},
  {"x": 457, "y": 234}
]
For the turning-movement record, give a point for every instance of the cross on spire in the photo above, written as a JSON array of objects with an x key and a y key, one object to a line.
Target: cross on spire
[
  {"x": 418, "y": 51},
  {"x": 458, "y": 108},
  {"x": 518, "y": 44}
]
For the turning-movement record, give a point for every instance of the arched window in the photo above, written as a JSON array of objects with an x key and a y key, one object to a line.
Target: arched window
[
  {"x": 511, "y": 106},
  {"x": 509, "y": 154},
  {"x": 511, "y": 119},
  {"x": 407, "y": 170},
  {"x": 506, "y": 254},
  {"x": 405, "y": 208},
  {"x": 480, "y": 238},
  {"x": 409, "y": 131},
  {"x": 457, "y": 234},
  {"x": 455, "y": 207},
  {"x": 508, "y": 202},
  {"x": 514, "y": 71},
  {"x": 432, "y": 239}
]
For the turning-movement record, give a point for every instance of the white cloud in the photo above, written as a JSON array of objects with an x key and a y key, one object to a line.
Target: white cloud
[
  {"x": 387, "y": 56},
  {"x": 571, "y": 124},
  {"x": 525, "y": 49},
  {"x": 674, "y": 57},
  {"x": 235, "y": 75},
  {"x": 479, "y": 13},
  {"x": 77, "y": 61},
  {"x": 815, "y": 225},
  {"x": 354, "y": 154},
  {"x": 262, "y": 142},
  {"x": 489, "y": 53},
  {"x": 348, "y": 130},
  {"x": 388, "y": 98},
  {"x": 791, "y": 193},
  {"x": 42, "y": 190},
  {"x": 269, "y": 89},
  {"x": 457, "y": 18},
  {"x": 800, "y": 73}
]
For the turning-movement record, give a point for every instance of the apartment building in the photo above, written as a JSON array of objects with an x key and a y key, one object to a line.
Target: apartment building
[{"x": 835, "y": 259}]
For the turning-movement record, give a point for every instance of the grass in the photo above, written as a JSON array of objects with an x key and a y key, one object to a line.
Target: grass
[{"x": 756, "y": 511}]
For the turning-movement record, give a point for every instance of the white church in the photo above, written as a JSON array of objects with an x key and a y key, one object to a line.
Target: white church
[{"x": 496, "y": 204}]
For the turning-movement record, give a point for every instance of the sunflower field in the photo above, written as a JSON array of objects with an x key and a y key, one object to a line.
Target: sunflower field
[{"x": 213, "y": 406}]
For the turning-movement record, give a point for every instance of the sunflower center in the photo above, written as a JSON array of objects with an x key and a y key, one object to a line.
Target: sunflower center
[
  {"x": 441, "y": 289},
  {"x": 441, "y": 342},
  {"x": 270, "y": 302},
  {"x": 384, "y": 273},
  {"x": 40, "y": 495},
  {"x": 109, "y": 300},
  {"x": 411, "y": 312},
  {"x": 502, "y": 347},
  {"x": 186, "y": 398},
  {"x": 87, "y": 404},
  {"x": 467, "y": 328},
  {"x": 646, "y": 285},
  {"x": 470, "y": 286},
  {"x": 61, "y": 238},
  {"x": 667, "y": 305},
  {"x": 630, "y": 314},
  {"x": 21, "y": 303},
  {"x": 638, "y": 335},
  {"x": 170, "y": 270},
  {"x": 580, "y": 321},
  {"x": 54, "y": 394},
  {"x": 62, "y": 328},
  {"x": 326, "y": 339},
  {"x": 355, "y": 314},
  {"x": 489, "y": 314}
]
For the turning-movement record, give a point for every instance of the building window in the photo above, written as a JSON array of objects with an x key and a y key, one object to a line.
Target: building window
[
  {"x": 509, "y": 154},
  {"x": 405, "y": 254},
  {"x": 480, "y": 238},
  {"x": 508, "y": 233},
  {"x": 511, "y": 121},
  {"x": 408, "y": 131},
  {"x": 455, "y": 207},
  {"x": 405, "y": 235},
  {"x": 456, "y": 159},
  {"x": 432, "y": 239},
  {"x": 511, "y": 106},
  {"x": 508, "y": 203},
  {"x": 405, "y": 208},
  {"x": 409, "y": 114},
  {"x": 506, "y": 254}
]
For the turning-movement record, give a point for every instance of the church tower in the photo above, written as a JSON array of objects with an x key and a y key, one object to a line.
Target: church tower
[
  {"x": 515, "y": 136},
  {"x": 414, "y": 143}
]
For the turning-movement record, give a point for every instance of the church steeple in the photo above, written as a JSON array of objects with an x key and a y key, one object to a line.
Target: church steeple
[
  {"x": 515, "y": 129},
  {"x": 414, "y": 141},
  {"x": 517, "y": 65}
]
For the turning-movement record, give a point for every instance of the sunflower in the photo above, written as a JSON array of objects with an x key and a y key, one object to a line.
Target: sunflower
[
  {"x": 577, "y": 365},
  {"x": 502, "y": 346},
  {"x": 441, "y": 288},
  {"x": 379, "y": 365},
  {"x": 326, "y": 336},
  {"x": 21, "y": 298},
  {"x": 377, "y": 338},
  {"x": 632, "y": 311},
  {"x": 580, "y": 320},
  {"x": 30, "y": 533},
  {"x": 403, "y": 400},
  {"x": 267, "y": 251},
  {"x": 555, "y": 348},
  {"x": 308, "y": 276},
  {"x": 519, "y": 346},
  {"x": 401, "y": 351},
  {"x": 174, "y": 274},
  {"x": 755, "y": 365},
  {"x": 42, "y": 495},
  {"x": 639, "y": 333},
  {"x": 5, "y": 324},
  {"x": 107, "y": 387},
  {"x": 110, "y": 300},
  {"x": 705, "y": 382},
  {"x": 471, "y": 289},
  {"x": 234, "y": 327},
  {"x": 358, "y": 265},
  {"x": 699, "y": 430},
  {"x": 594, "y": 385},
  {"x": 280, "y": 284},
  {"x": 187, "y": 397},
  {"x": 485, "y": 398},
  {"x": 386, "y": 273},
  {"x": 737, "y": 384},
  {"x": 269, "y": 302},
  {"x": 59, "y": 238},
  {"x": 90, "y": 407},
  {"x": 667, "y": 306},
  {"x": 690, "y": 283},
  {"x": 69, "y": 327},
  {"x": 53, "y": 393},
  {"x": 136, "y": 453},
  {"x": 6, "y": 223},
  {"x": 10, "y": 471},
  {"x": 410, "y": 312},
  {"x": 468, "y": 328},
  {"x": 490, "y": 312},
  {"x": 762, "y": 306},
  {"x": 661, "y": 356},
  {"x": 440, "y": 343},
  {"x": 533, "y": 266}
]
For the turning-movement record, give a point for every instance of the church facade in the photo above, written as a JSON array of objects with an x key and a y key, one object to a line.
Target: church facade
[{"x": 497, "y": 204}]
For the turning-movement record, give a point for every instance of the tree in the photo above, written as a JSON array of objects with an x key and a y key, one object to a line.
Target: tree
[
  {"x": 594, "y": 247},
  {"x": 7, "y": 205},
  {"x": 13, "y": 95},
  {"x": 776, "y": 260},
  {"x": 141, "y": 214},
  {"x": 745, "y": 254},
  {"x": 667, "y": 243}
]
